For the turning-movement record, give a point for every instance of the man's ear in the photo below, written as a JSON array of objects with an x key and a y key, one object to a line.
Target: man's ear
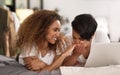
[{"x": 93, "y": 36}]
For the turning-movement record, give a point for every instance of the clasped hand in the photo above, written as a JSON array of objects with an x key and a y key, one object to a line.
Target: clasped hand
[
  {"x": 79, "y": 49},
  {"x": 33, "y": 63}
]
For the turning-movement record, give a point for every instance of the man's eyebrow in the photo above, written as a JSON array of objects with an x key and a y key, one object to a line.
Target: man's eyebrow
[
  {"x": 75, "y": 37},
  {"x": 78, "y": 38}
]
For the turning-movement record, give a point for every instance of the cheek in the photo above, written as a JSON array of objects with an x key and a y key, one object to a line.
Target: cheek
[
  {"x": 49, "y": 36},
  {"x": 51, "y": 32}
]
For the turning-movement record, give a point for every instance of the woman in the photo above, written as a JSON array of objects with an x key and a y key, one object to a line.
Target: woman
[{"x": 40, "y": 41}]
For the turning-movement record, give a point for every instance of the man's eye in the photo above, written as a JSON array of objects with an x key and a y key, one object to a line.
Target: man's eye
[
  {"x": 55, "y": 30},
  {"x": 74, "y": 38}
]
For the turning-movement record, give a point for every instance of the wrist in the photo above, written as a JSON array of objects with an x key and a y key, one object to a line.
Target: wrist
[
  {"x": 64, "y": 55},
  {"x": 76, "y": 55}
]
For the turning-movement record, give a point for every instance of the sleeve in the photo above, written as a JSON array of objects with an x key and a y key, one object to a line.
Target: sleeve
[
  {"x": 26, "y": 54},
  {"x": 81, "y": 59}
]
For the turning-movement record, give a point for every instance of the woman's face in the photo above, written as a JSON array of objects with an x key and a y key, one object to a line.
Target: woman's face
[{"x": 53, "y": 32}]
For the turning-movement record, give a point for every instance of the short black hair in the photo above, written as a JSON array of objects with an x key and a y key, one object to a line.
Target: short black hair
[{"x": 85, "y": 25}]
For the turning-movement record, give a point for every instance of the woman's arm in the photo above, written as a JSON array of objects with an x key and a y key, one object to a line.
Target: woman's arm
[
  {"x": 33, "y": 63},
  {"x": 58, "y": 62}
]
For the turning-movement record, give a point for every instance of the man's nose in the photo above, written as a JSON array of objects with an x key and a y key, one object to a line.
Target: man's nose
[{"x": 76, "y": 41}]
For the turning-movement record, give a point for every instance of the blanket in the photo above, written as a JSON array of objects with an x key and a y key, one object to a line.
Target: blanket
[{"x": 9, "y": 66}]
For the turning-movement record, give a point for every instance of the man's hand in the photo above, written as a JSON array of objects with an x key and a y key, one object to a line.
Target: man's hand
[
  {"x": 82, "y": 48},
  {"x": 79, "y": 49}
]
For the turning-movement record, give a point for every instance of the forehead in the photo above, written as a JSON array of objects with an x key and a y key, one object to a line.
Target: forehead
[{"x": 56, "y": 23}]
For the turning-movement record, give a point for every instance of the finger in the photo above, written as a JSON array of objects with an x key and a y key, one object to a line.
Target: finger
[
  {"x": 79, "y": 46},
  {"x": 27, "y": 62},
  {"x": 27, "y": 59},
  {"x": 28, "y": 67},
  {"x": 33, "y": 57},
  {"x": 72, "y": 47},
  {"x": 30, "y": 57}
]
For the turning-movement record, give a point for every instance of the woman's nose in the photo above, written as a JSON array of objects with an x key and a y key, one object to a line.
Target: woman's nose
[{"x": 58, "y": 34}]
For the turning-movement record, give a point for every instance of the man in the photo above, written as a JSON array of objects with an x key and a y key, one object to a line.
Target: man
[{"x": 84, "y": 27}]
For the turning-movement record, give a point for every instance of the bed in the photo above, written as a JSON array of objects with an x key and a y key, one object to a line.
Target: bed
[{"x": 9, "y": 66}]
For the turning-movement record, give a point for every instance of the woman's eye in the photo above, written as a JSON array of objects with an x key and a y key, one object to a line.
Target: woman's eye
[{"x": 57, "y": 30}]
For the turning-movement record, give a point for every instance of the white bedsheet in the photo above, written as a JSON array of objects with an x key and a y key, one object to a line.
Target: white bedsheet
[{"x": 105, "y": 70}]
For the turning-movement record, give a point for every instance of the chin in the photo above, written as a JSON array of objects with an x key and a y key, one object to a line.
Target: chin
[{"x": 52, "y": 42}]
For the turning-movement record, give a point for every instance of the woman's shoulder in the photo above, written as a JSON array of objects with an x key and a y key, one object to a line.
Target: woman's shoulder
[{"x": 28, "y": 51}]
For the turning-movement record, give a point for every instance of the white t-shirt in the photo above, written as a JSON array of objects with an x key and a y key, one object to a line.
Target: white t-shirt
[{"x": 48, "y": 58}]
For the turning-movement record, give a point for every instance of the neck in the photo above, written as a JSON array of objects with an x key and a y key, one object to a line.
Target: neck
[{"x": 43, "y": 46}]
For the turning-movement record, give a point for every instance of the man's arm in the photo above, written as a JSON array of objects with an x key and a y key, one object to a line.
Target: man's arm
[
  {"x": 74, "y": 58},
  {"x": 71, "y": 60}
]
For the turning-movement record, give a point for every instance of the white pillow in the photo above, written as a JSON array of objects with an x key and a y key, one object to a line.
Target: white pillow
[{"x": 106, "y": 70}]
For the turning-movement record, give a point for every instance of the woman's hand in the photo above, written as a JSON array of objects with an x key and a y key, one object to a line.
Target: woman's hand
[
  {"x": 33, "y": 63},
  {"x": 69, "y": 50}
]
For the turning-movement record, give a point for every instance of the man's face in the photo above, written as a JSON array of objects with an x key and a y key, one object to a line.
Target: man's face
[
  {"x": 82, "y": 45},
  {"x": 78, "y": 40}
]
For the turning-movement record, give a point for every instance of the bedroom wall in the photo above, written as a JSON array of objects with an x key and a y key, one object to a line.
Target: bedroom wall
[{"x": 108, "y": 9}]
